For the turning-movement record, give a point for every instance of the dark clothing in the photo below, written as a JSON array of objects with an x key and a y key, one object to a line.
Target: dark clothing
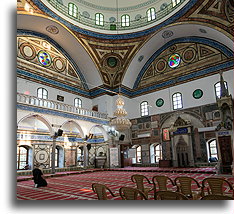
[{"x": 37, "y": 177}]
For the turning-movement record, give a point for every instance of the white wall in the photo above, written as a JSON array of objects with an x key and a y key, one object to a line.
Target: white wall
[
  {"x": 106, "y": 103},
  {"x": 31, "y": 88},
  {"x": 206, "y": 84}
]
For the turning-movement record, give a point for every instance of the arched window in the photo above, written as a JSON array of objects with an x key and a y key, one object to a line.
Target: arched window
[
  {"x": 151, "y": 14},
  {"x": 78, "y": 102},
  {"x": 99, "y": 19},
  {"x": 42, "y": 93},
  {"x": 80, "y": 156},
  {"x": 157, "y": 153},
  {"x": 56, "y": 157},
  {"x": 138, "y": 154},
  {"x": 22, "y": 157},
  {"x": 72, "y": 10},
  {"x": 177, "y": 101},
  {"x": 212, "y": 150},
  {"x": 175, "y": 2},
  {"x": 144, "y": 108},
  {"x": 218, "y": 88},
  {"x": 125, "y": 20}
]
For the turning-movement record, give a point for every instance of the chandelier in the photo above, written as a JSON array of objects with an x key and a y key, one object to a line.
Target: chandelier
[{"x": 120, "y": 122}]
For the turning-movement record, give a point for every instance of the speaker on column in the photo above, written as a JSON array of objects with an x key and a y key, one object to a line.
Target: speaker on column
[{"x": 60, "y": 132}]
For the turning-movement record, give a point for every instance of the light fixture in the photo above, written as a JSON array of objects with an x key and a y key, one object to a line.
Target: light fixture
[{"x": 120, "y": 122}]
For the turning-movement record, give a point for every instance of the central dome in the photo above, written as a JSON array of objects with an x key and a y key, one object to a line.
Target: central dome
[{"x": 116, "y": 16}]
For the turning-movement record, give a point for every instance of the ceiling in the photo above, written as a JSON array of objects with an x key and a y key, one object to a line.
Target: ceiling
[{"x": 84, "y": 46}]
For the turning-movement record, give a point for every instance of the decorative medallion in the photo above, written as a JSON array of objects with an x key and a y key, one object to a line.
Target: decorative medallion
[
  {"x": 52, "y": 29},
  {"x": 44, "y": 58},
  {"x": 198, "y": 93},
  {"x": 159, "y": 102},
  {"x": 59, "y": 64},
  {"x": 167, "y": 34},
  {"x": 112, "y": 62},
  {"x": 161, "y": 66},
  {"x": 189, "y": 55},
  {"x": 202, "y": 30},
  {"x": 140, "y": 58},
  {"x": 27, "y": 51},
  {"x": 174, "y": 60}
]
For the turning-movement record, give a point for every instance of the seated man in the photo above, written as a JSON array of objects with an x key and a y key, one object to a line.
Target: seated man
[{"x": 38, "y": 177}]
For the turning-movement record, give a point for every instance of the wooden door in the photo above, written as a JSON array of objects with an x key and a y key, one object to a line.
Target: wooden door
[{"x": 225, "y": 153}]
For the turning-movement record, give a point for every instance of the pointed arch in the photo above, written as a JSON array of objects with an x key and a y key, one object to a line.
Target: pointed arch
[{"x": 40, "y": 118}]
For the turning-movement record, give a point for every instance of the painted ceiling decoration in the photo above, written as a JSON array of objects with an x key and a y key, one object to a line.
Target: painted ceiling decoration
[
  {"x": 112, "y": 59},
  {"x": 112, "y": 54},
  {"x": 46, "y": 58},
  {"x": 196, "y": 55}
]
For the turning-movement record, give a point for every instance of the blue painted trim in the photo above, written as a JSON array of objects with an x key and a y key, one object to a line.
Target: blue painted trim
[
  {"x": 52, "y": 82},
  {"x": 170, "y": 20},
  {"x": 200, "y": 73},
  {"x": 226, "y": 51},
  {"x": 61, "y": 114},
  {"x": 21, "y": 32}
]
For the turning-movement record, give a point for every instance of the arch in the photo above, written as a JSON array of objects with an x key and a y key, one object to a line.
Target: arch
[
  {"x": 59, "y": 47},
  {"x": 39, "y": 117},
  {"x": 76, "y": 125},
  {"x": 103, "y": 131},
  {"x": 215, "y": 44}
]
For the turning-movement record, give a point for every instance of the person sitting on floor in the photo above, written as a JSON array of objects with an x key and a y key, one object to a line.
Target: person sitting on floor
[{"x": 38, "y": 177}]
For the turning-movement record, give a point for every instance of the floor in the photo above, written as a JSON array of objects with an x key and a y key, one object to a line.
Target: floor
[{"x": 73, "y": 186}]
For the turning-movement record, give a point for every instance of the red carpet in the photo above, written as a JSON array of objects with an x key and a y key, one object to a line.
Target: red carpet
[{"x": 78, "y": 186}]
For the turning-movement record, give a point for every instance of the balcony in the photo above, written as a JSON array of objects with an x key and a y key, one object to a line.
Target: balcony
[{"x": 58, "y": 106}]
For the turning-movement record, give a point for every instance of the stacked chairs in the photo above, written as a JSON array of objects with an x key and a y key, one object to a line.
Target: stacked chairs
[
  {"x": 129, "y": 193},
  {"x": 184, "y": 186},
  {"x": 169, "y": 195},
  {"x": 139, "y": 180},
  {"x": 215, "y": 186},
  {"x": 101, "y": 191}
]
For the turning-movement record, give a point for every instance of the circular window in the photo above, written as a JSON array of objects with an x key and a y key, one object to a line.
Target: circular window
[
  {"x": 44, "y": 58},
  {"x": 197, "y": 94},
  {"x": 112, "y": 62},
  {"x": 174, "y": 60},
  {"x": 159, "y": 102}
]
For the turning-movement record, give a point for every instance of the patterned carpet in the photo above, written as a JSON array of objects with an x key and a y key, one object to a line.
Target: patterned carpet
[{"x": 78, "y": 186}]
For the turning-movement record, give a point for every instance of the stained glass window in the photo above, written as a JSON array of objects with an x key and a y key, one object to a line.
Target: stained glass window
[
  {"x": 44, "y": 58},
  {"x": 174, "y": 60},
  {"x": 159, "y": 102},
  {"x": 198, "y": 93}
]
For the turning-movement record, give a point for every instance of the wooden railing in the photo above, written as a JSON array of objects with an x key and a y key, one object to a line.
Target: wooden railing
[{"x": 54, "y": 105}]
